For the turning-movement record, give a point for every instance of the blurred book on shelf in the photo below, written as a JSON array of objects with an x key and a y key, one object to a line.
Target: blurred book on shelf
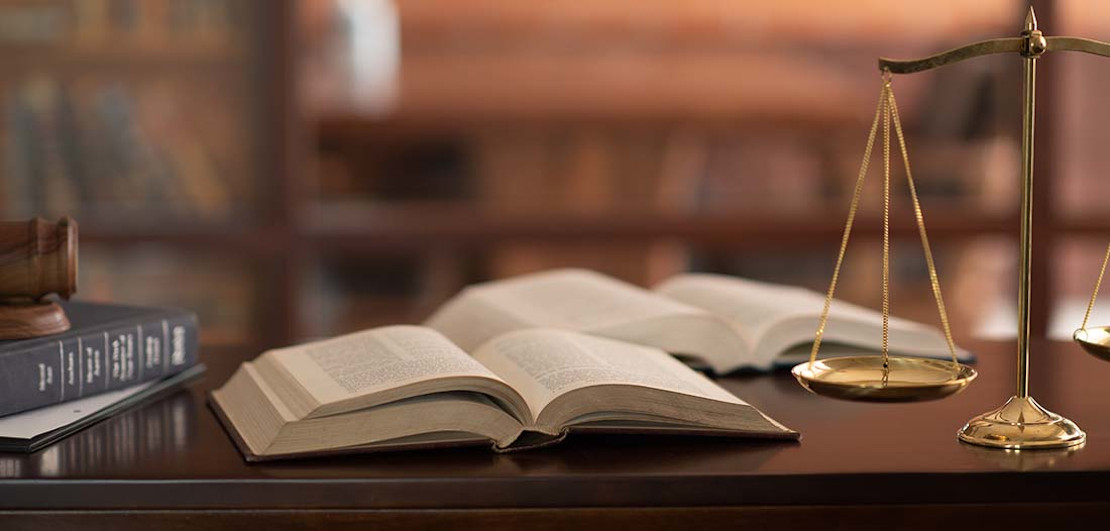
[
  {"x": 222, "y": 291},
  {"x": 101, "y": 25},
  {"x": 108, "y": 151},
  {"x": 352, "y": 294},
  {"x": 118, "y": 111}
]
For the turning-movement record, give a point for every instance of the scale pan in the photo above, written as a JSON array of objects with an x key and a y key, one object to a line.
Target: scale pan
[
  {"x": 1095, "y": 340},
  {"x": 861, "y": 378}
]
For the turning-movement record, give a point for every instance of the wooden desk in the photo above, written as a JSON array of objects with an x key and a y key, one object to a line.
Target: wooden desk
[{"x": 858, "y": 466}]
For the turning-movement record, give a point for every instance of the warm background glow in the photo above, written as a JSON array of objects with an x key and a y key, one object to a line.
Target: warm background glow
[{"x": 299, "y": 169}]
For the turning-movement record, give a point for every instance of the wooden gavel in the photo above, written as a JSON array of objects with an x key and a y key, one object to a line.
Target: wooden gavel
[{"x": 37, "y": 259}]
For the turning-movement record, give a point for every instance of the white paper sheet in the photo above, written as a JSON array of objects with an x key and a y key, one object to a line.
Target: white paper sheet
[{"x": 30, "y": 424}]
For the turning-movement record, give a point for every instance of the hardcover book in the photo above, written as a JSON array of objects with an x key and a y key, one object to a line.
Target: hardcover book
[
  {"x": 108, "y": 347},
  {"x": 402, "y": 387}
]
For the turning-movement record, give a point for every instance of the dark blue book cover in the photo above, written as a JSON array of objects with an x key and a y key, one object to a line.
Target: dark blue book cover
[{"x": 109, "y": 346}]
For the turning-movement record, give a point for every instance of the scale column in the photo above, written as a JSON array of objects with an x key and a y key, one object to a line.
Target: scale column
[
  {"x": 1032, "y": 49},
  {"x": 1021, "y": 423}
]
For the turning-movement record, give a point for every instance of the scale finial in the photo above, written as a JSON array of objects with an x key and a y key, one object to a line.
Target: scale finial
[{"x": 1030, "y": 20}]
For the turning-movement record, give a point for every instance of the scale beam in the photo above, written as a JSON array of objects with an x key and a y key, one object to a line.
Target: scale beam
[
  {"x": 1078, "y": 44},
  {"x": 994, "y": 46},
  {"x": 955, "y": 55}
]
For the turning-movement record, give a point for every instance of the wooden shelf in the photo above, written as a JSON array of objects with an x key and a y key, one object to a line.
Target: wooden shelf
[
  {"x": 386, "y": 225},
  {"x": 425, "y": 226},
  {"x": 1082, "y": 225},
  {"x": 406, "y": 226},
  {"x": 655, "y": 23},
  {"x": 660, "y": 86},
  {"x": 123, "y": 58},
  {"x": 347, "y": 126},
  {"x": 240, "y": 237}
]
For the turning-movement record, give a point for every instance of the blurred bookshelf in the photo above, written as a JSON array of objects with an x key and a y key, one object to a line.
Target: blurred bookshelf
[
  {"x": 143, "y": 120},
  {"x": 643, "y": 139},
  {"x": 301, "y": 169}
]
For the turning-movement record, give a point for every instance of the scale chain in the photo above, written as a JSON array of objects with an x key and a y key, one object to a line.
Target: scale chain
[
  {"x": 934, "y": 280},
  {"x": 856, "y": 193},
  {"x": 886, "y": 231},
  {"x": 1098, "y": 285},
  {"x": 887, "y": 109}
]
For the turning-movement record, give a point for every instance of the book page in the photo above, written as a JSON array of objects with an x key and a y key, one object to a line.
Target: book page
[
  {"x": 376, "y": 360},
  {"x": 753, "y": 305},
  {"x": 543, "y": 364},
  {"x": 781, "y": 318},
  {"x": 760, "y": 305},
  {"x": 469, "y": 320},
  {"x": 570, "y": 299}
]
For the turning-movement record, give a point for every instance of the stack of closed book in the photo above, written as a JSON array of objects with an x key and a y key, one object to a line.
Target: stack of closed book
[{"x": 113, "y": 356}]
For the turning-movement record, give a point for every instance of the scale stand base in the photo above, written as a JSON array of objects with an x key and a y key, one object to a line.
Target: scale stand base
[{"x": 1022, "y": 424}]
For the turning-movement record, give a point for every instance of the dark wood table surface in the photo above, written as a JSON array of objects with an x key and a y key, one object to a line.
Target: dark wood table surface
[{"x": 857, "y": 466}]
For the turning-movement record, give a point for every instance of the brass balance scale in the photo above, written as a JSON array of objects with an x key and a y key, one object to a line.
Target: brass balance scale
[{"x": 1021, "y": 423}]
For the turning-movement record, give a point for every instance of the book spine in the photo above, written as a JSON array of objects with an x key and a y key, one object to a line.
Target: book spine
[{"x": 87, "y": 362}]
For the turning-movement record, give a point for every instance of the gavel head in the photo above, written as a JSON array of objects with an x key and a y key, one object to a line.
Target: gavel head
[{"x": 37, "y": 258}]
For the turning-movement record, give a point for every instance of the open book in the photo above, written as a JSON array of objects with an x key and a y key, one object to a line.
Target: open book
[
  {"x": 401, "y": 387},
  {"x": 725, "y": 323}
]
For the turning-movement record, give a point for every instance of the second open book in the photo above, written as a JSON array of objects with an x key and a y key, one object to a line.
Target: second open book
[{"x": 720, "y": 322}]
